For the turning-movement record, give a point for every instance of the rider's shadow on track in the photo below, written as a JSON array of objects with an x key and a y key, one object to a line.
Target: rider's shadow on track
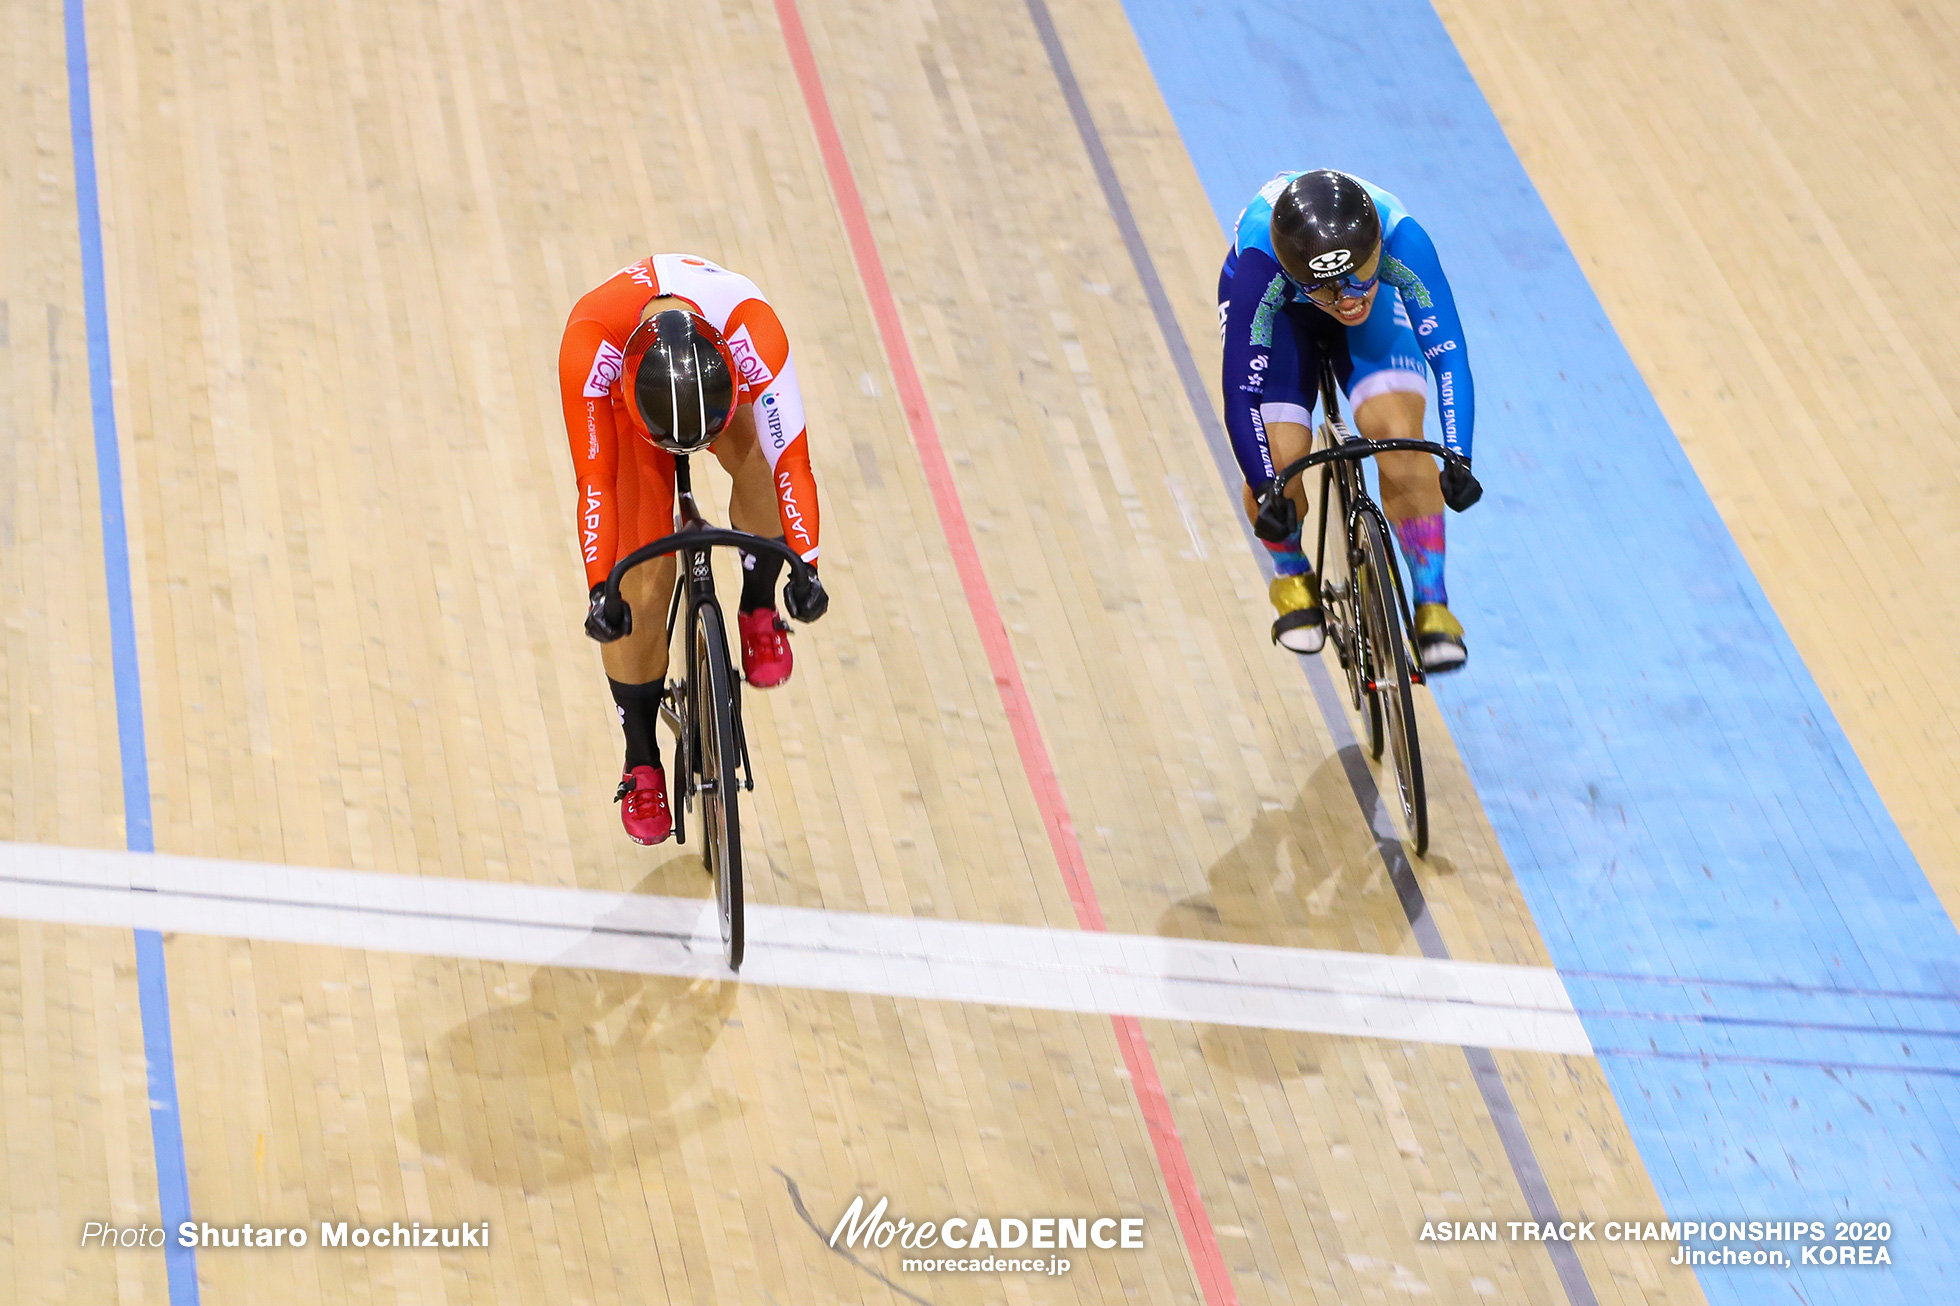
[
  {"x": 587, "y": 1066},
  {"x": 1310, "y": 875}
]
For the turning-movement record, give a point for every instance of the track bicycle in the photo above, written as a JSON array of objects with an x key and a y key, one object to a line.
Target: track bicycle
[
  {"x": 1368, "y": 617},
  {"x": 704, "y": 707}
]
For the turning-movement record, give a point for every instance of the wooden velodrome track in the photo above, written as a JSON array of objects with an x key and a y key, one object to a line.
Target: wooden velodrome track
[{"x": 340, "y": 242}]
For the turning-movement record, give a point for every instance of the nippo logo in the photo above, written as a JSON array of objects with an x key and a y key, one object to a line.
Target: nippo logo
[
  {"x": 772, "y": 418},
  {"x": 606, "y": 365},
  {"x": 1334, "y": 260}
]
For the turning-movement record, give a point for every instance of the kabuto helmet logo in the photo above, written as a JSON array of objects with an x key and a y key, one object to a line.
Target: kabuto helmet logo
[{"x": 1334, "y": 260}]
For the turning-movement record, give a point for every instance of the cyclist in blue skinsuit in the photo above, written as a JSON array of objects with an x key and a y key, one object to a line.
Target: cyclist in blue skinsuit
[{"x": 1303, "y": 276}]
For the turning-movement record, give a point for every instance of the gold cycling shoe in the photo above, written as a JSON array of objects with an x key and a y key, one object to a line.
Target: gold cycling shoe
[
  {"x": 1439, "y": 638},
  {"x": 1301, "y": 626}
]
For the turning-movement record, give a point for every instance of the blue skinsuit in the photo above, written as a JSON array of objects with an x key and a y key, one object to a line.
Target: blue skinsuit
[{"x": 1271, "y": 330}]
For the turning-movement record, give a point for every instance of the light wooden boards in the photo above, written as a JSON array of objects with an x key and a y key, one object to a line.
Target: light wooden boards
[
  {"x": 1765, "y": 207},
  {"x": 341, "y": 243},
  {"x": 74, "y": 1122}
]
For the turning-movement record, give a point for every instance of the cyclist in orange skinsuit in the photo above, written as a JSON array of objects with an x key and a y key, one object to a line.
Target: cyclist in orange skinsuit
[{"x": 626, "y": 484}]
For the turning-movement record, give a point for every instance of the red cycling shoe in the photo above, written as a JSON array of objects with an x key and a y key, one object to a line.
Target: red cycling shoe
[
  {"x": 642, "y": 800},
  {"x": 766, "y": 660}
]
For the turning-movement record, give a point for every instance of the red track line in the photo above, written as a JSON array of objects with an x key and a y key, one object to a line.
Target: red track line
[{"x": 1199, "y": 1238}]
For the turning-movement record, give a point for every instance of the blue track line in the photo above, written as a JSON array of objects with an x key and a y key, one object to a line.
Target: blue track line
[
  {"x": 1757, "y": 956},
  {"x": 152, "y": 983}
]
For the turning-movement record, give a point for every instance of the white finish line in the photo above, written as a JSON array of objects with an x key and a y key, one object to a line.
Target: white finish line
[{"x": 1408, "y": 999}]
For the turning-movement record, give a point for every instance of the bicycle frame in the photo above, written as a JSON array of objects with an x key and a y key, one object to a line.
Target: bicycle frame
[
  {"x": 694, "y": 539},
  {"x": 1340, "y": 461}
]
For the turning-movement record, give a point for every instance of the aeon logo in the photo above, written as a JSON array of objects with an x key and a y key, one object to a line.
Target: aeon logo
[
  {"x": 748, "y": 360},
  {"x": 1334, "y": 260},
  {"x": 605, "y": 370}
]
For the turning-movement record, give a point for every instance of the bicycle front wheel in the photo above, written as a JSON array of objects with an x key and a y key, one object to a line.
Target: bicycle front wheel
[
  {"x": 714, "y": 722},
  {"x": 1389, "y": 670},
  {"x": 1338, "y": 594}
]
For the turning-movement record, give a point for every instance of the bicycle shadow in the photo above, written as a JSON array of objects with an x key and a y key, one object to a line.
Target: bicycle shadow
[
  {"x": 1316, "y": 874},
  {"x": 589, "y": 1065}
]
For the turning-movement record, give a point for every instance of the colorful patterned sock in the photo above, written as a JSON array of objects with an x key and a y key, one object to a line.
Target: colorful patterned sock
[
  {"x": 1289, "y": 559},
  {"x": 1422, "y": 550}
]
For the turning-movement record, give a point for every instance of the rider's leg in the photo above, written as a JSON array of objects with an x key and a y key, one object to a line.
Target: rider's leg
[
  {"x": 1288, "y": 441},
  {"x": 646, "y": 512},
  {"x": 766, "y": 658},
  {"x": 1412, "y": 497},
  {"x": 1412, "y": 493},
  {"x": 752, "y": 494},
  {"x": 642, "y": 656},
  {"x": 636, "y": 666},
  {"x": 751, "y": 505},
  {"x": 1389, "y": 389},
  {"x": 1285, "y": 411},
  {"x": 1300, "y": 625}
]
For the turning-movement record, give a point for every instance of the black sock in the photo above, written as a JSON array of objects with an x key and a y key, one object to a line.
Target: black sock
[
  {"x": 760, "y": 572},
  {"x": 639, "y": 712}
]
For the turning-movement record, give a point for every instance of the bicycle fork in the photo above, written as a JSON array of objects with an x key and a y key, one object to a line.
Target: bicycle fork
[{"x": 741, "y": 734}]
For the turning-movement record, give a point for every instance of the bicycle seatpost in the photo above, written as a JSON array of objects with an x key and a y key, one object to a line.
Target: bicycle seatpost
[{"x": 684, "y": 491}]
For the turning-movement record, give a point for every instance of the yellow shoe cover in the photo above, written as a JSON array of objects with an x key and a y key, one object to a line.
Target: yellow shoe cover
[
  {"x": 1301, "y": 626},
  {"x": 1439, "y": 638}
]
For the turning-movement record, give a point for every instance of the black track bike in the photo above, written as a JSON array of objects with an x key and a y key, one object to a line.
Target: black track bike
[
  {"x": 1368, "y": 617},
  {"x": 704, "y": 707}
]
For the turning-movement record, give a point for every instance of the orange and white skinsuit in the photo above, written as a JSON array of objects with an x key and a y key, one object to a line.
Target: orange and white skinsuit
[{"x": 626, "y": 483}]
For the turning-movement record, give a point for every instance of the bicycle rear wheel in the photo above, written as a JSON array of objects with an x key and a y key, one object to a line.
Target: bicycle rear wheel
[
  {"x": 1389, "y": 670},
  {"x": 714, "y": 717}
]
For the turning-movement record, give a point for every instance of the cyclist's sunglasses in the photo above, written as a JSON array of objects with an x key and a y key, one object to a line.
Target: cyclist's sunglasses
[{"x": 1349, "y": 287}]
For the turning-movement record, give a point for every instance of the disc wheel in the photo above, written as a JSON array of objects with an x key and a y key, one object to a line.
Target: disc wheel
[
  {"x": 1394, "y": 695},
  {"x": 714, "y": 715}
]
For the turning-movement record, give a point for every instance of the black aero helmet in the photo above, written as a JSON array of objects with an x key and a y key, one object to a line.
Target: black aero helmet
[
  {"x": 679, "y": 380},
  {"x": 1324, "y": 226}
]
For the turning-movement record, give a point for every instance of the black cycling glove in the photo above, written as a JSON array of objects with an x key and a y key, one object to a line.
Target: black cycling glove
[
  {"x": 607, "y": 619},
  {"x": 1279, "y": 516},
  {"x": 806, "y": 600},
  {"x": 1460, "y": 488}
]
